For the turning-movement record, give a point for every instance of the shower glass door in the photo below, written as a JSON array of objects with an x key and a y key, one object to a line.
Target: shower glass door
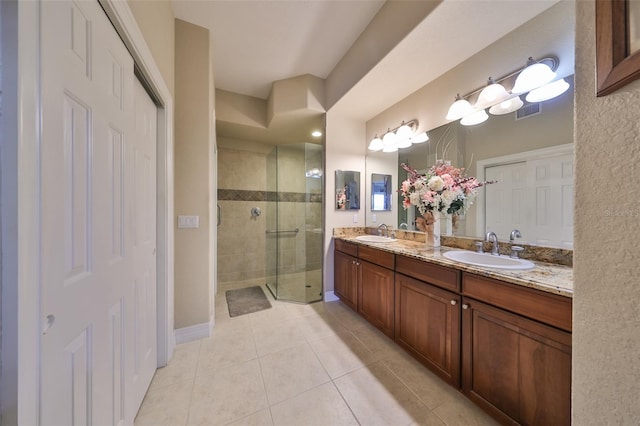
[{"x": 294, "y": 222}]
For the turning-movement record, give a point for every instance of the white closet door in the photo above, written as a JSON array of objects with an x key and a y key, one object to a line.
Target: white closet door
[
  {"x": 142, "y": 310},
  {"x": 95, "y": 278},
  {"x": 506, "y": 200},
  {"x": 551, "y": 200}
]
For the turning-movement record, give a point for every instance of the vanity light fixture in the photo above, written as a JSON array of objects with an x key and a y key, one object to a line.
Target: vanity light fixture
[
  {"x": 536, "y": 79},
  {"x": 316, "y": 133},
  {"x": 402, "y": 136}
]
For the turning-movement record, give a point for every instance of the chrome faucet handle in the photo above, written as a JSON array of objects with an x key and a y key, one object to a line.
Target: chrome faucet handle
[
  {"x": 515, "y": 250},
  {"x": 479, "y": 246},
  {"x": 492, "y": 237}
]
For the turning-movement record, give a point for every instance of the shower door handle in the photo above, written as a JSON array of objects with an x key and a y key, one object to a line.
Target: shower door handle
[{"x": 219, "y": 215}]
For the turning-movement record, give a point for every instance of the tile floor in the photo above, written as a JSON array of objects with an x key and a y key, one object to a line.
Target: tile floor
[{"x": 318, "y": 364}]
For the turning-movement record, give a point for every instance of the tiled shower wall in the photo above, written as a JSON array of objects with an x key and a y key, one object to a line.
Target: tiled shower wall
[
  {"x": 242, "y": 241},
  {"x": 242, "y": 178}
]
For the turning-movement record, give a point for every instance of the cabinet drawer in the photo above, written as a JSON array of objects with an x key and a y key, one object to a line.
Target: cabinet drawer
[
  {"x": 378, "y": 257},
  {"x": 433, "y": 274},
  {"x": 547, "y": 308},
  {"x": 346, "y": 247}
]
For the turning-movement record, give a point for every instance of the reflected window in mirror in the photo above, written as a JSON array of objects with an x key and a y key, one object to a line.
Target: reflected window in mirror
[
  {"x": 347, "y": 190},
  {"x": 380, "y": 192}
]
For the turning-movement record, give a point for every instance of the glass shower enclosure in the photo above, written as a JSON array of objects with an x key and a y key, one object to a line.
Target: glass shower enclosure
[{"x": 294, "y": 222}]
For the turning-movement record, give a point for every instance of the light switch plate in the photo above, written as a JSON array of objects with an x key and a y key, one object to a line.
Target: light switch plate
[
  {"x": 188, "y": 221},
  {"x": 355, "y": 218}
]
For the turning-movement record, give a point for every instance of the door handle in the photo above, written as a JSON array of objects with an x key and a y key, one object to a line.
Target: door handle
[{"x": 219, "y": 215}]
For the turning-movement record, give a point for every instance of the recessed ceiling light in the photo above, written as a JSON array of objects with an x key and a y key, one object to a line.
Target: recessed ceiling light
[{"x": 316, "y": 133}]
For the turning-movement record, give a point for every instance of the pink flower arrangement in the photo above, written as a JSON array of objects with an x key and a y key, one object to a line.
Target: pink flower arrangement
[{"x": 443, "y": 188}]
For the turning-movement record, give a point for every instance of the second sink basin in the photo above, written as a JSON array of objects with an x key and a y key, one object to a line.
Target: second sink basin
[
  {"x": 375, "y": 239},
  {"x": 488, "y": 260}
]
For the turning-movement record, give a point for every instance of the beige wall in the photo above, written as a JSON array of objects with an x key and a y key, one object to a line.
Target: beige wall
[
  {"x": 156, "y": 21},
  {"x": 193, "y": 188},
  {"x": 341, "y": 153},
  {"x": 552, "y": 32},
  {"x": 606, "y": 318}
]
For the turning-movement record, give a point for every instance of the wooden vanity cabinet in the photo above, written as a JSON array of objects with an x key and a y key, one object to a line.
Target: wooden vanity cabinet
[
  {"x": 516, "y": 368},
  {"x": 428, "y": 326},
  {"x": 345, "y": 280},
  {"x": 376, "y": 288},
  {"x": 506, "y": 346},
  {"x": 363, "y": 280}
]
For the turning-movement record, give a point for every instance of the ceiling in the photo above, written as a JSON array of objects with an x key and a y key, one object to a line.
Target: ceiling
[{"x": 257, "y": 42}]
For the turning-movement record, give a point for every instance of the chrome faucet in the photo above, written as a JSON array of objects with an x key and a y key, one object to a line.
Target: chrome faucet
[
  {"x": 386, "y": 230},
  {"x": 403, "y": 225},
  {"x": 515, "y": 234},
  {"x": 491, "y": 236}
]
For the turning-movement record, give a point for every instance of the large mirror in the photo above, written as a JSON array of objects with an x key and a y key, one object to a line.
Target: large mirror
[
  {"x": 529, "y": 153},
  {"x": 531, "y": 159},
  {"x": 347, "y": 190}
]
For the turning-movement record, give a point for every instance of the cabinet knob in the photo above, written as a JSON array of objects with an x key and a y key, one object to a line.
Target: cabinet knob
[
  {"x": 454, "y": 302},
  {"x": 353, "y": 261},
  {"x": 357, "y": 263},
  {"x": 465, "y": 306}
]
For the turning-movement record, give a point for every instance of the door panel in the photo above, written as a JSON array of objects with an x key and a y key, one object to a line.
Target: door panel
[{"x": 89, "y": 262}]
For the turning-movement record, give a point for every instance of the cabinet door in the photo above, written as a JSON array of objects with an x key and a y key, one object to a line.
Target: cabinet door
[
  {"x": 515, "y": 368},
  {"x": 427, "y": 324},
  {"x": 375, "y": 296},
  {"x": 345, "y": 279}
]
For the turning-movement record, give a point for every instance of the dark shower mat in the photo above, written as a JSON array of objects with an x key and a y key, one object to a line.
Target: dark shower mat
[{"x": 246, "y": 301}]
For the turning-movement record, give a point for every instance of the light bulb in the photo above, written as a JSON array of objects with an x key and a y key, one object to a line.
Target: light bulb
[
  {"x": 534, "y": 75},
  {"x": 404, "y": 132},
  {"x": 548, "y": 91},
  {"x": 474, "y": 118},
  {"x": 459, "y": 109},
  {"x": 491, "y": 95},
  {"x": 375, "y": 144},
  {"x": 505, "y": 107},
  {"x": 389, "y": 142},
  {"x": 420, "y": 138}
]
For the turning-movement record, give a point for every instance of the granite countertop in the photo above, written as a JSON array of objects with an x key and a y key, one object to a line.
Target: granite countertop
[{"x": 549, "y": 277}]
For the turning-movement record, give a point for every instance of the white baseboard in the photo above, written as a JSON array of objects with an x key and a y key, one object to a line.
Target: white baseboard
[
  {"x": 193, "y": 332},
  {"x": 329, "y": 296}
]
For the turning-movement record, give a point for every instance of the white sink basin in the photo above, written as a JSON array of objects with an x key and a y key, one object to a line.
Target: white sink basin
[
  {"x": 375, "y": 239},
  {"x": 488, "y": 260}
]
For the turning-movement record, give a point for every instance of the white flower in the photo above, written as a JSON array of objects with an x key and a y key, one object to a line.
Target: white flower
[
  {"x": 415, "y": 198},
  {"x": 436, "y": 183},
  {"x": 449, "y": 196}
]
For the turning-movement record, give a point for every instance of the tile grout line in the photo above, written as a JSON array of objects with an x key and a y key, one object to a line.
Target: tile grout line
[
  {"x": 264, "y": 385},
  {"x": 193, "y": 384}
]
